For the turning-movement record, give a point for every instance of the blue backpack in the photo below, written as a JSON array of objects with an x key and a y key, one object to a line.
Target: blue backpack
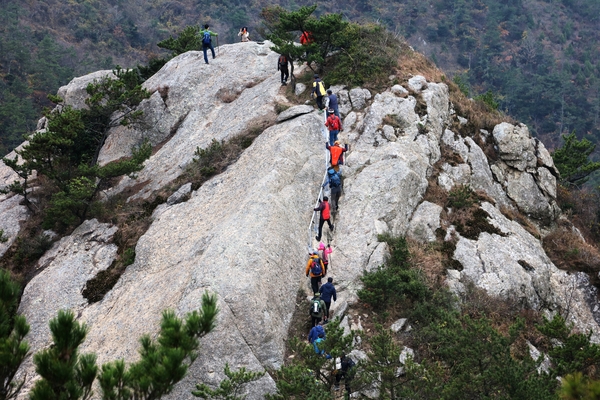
[
  {"x": 334, "y": 179},
  {"x": 315, "y": 268},
  {"x": 206, "y": 38}
]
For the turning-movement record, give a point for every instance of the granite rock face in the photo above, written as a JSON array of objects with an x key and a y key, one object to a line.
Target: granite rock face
[
  {"x": 243, "y": 234},
  {"x": 193, "y": 103}
]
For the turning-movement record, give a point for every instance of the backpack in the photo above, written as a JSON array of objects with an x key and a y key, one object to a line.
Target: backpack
[
  {"x": 206, "y": 38},
  {"x": 334, "y": 180},
  {"x": 320, "y": 88},
  {"x": 334, "y": 123},
  {"x": 316, "y": 268},
  {"x": 283, "y": 61},
  {"x": 315, "y": 308}
]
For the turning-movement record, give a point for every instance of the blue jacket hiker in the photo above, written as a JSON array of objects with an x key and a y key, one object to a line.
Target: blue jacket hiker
[
  {"x": 315, "y": 332},
  {"x": 206, "y": 39},
  {"x": 327, "y": 294}
]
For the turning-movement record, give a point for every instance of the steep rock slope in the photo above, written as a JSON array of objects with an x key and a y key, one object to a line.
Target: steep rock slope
[{"x": 242, "y": 235}]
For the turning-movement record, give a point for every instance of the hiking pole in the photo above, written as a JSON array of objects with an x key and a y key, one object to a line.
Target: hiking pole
[{"x": 218, "y": 49}]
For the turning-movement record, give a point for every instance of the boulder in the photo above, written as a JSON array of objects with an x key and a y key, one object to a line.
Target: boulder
[
  {"x": 424, "y": 222},
  {"x": 300, "y": 88},
  {"x": 515, "y": 145},
  {"x": 522, "y": 188},
  {"x": 344, "y": 104},
  {"x": 74, "y": 94},
  {"x": 417, "y": 83},
  {"x": 399, "y": 90},
  {"x": 358, "y": 98},
  {"x": 515, "y": 266},
  {"x": 180, "y": 195},
  {"x": 451, "y": 176},
  {"x": 293, "y": 112},
  {"x": 398, "y": 325}
]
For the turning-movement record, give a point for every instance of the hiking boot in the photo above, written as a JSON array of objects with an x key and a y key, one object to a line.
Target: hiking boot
[
  {"x": 318, "y": 238},
  {"x": 332, "y": 226}
]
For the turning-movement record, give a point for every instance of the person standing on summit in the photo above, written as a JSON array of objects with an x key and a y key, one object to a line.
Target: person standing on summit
[
  {"x": 318, "y": 90},
  {"x": 206, "y": 38}
]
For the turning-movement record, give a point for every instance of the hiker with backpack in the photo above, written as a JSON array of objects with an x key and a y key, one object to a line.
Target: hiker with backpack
[
  {"x": 317, "y": 309},
  {"x": 327, "y": 294},
  {"x": 206, "y": 37},
  {"x": 333, "y": 102},
  {"x": 282, "y": 65},
  {"x": 244, "y": 34},
  {"x": 325, "y": 216},
  {"x": 334, "y": 180},
  {"x": 318, "y": 90},
  {"x": 336, "y": 153},
  {"x": 316, "y": 270},
  {"x": 346, "y": 371},
  {"x": 334, "y": 124},
  {"x": 315, "y": 332},
  {"x": 324, "y": 253}
]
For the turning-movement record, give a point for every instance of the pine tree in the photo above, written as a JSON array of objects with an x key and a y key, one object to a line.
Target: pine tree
[
  {"x": 572, "y": 160},
  {"x": 13, "y": 328},
  {"x": 230, "y": 388},
  {"x": 65, "y": 373},
  {"x": 163, "y": 363}
]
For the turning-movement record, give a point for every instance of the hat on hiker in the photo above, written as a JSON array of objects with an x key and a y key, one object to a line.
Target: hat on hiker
[
  {"x": 316, "y": 76},
  {"x": 331, "y": 111},
  {"x": 321, "y": 246},
  {"x": 336, "y": 142}
]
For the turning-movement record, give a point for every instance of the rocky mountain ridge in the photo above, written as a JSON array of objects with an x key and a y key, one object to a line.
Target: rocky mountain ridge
[{"x": 242, "y": 235}]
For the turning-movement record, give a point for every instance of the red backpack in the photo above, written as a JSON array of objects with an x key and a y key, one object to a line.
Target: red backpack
[{"x": 334, "y": 123}]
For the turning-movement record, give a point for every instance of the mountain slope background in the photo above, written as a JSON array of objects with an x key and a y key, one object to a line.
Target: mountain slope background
[{"x": 539, "y": 58}]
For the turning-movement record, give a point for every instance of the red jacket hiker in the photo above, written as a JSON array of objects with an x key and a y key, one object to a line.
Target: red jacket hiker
[{"x": 325, "y": 215}]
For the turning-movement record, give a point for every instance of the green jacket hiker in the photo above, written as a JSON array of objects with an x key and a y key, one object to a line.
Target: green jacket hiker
[{"x": 206, "y": 39}]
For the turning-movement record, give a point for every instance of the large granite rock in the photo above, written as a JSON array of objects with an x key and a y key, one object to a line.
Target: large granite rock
[
  {"x": 193, "y": 103},
  {"x": 74, "y": 93},
  {"x": 239, "y": 236},
  {"x": 515, "y": 266},
  {"x": 64, "y": 271}
]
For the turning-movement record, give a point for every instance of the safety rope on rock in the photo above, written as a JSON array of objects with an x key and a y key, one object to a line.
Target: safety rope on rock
[{"x": 312, "y": 227}]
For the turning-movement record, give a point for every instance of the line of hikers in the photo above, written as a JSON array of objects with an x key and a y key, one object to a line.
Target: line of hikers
[{"x": 319, "y": 260}]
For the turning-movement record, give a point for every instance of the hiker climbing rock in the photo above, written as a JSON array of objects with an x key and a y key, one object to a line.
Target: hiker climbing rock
[
  {"x": 243, "y": 33},
  {"x": 334, "y": 180},
  {"x": 327, "y": 294},
  {"x": 346, "y": 371},
  {"x": 318, "y": 90},
  {"x": 316, "y": 270},
  {"x": 206, "y": 37},
  {"x": 333, "y": 102},
  {"x": 334, "y": 124},
  {"x": 324, "y": 253},
  {"x": 282, "y": 65},
  {"x": 336, "y": 153},
  {"x": 315, "y": 332},
  {"x": 317, "y": 309},
  {"x": 325, "y": 216}
]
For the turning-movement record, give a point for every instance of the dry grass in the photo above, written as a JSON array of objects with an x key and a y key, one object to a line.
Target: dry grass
[
  {"x": 516, "y": 216},
  {"x": 569, "y": 252},
  {"x": 429, "y": 260},
  {"x": 583, "y": 208}
]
